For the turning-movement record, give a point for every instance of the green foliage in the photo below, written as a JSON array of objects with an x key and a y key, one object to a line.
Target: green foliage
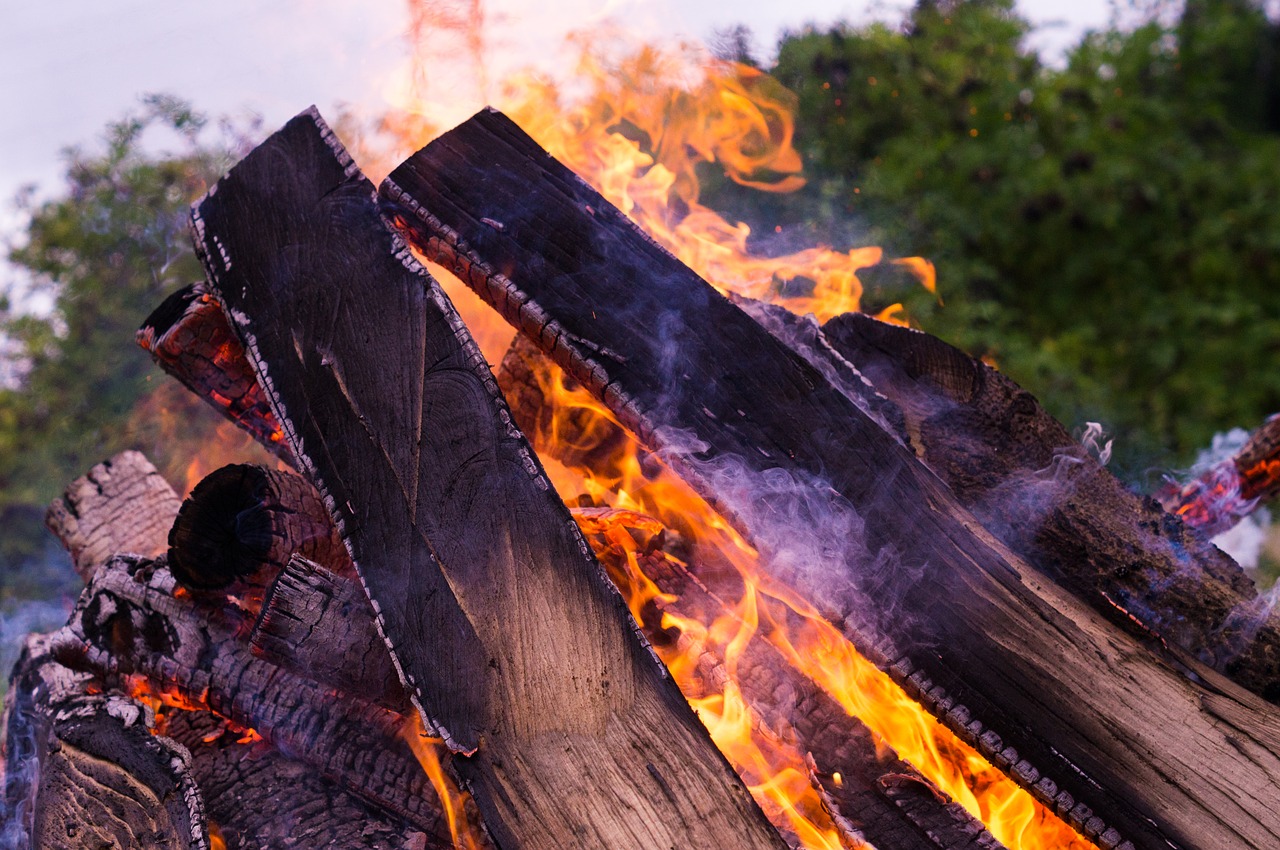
[
  {"x": 103, "y": 253},
  {"x": 1107, "y": 231}
]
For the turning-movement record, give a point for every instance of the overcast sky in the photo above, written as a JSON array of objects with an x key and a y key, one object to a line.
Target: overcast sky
[{"x": 69, "y": 66}]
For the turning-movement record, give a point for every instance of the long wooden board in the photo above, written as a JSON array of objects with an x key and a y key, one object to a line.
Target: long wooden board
[
  {"x": 849, "y": 515},
  {"x": 519, "y": 652}
]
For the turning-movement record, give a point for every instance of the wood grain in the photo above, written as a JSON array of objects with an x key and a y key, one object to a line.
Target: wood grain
[{"x": 519, "y": 652}]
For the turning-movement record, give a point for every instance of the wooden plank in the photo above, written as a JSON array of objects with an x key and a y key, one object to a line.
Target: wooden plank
[
  {"x": 1073, "y": 706},
  {"x": 518, "y": 651},
  {"x": 1045, "y": 496}
]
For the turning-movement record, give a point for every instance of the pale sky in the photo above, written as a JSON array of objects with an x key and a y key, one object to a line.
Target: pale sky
[{"x": 67, "y": 67}]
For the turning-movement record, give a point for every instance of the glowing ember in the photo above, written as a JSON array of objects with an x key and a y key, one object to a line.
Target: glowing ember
[{"x": 1230, "y": 489}]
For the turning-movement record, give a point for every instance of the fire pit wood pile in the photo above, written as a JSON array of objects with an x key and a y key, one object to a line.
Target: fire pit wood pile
[
  {"x": 265, "y": 665},
  {"x": 684, "y": 370}
]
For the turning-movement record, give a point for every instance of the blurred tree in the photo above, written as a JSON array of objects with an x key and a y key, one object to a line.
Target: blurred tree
[
  {"x": 99, "y": 257},
  {"x": 1106, "y": 231}
]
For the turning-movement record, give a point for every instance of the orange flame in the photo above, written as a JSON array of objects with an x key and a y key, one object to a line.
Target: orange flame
[
  {"x": 599, "y": 461},
  {"x": 427, "y": 749}
]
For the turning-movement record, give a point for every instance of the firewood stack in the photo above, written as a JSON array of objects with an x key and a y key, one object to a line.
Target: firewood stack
[{"x": 408, "y": 640}]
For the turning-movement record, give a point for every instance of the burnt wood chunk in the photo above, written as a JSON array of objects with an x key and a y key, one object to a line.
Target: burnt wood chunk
[
  {"x": 1221, "y": 496},
  {"x": 132, "y": 625},
  {"x": 519, "y": 652},
  {"x": 319, "y": 624},
  {"x": 121, "y": 505},
  {"x": 242, "y": 523},
  {"x": 887, "y": 551},
  {"x": 190, "y": 337},
  {"x": 1045, "y": 496},
  {"x": 256, "y": 797},
  {"x": 82, "y": 768}
]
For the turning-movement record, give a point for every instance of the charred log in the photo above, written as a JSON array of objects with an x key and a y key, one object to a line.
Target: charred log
[
  {"x": 242, "y": 523},
  {"x": 390, "y": 408},
  {"x": 974, "y": 629},
  {"x": 257, "y": 797},
  {"x": 319, "y": 624},
  {"x": 1216, "y": 500},
  {"x": 82, "y": 769},
  {"x": 121, "y": 505},
  {"x": 139, "y": 634},
  {"x": 191, "y": 339}
]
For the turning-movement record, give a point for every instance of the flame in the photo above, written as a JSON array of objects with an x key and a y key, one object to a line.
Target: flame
[
  {"x": 464, "y": 833},
  {"x": 585, "y": 451},
  {"x": 641, "y": 129}
]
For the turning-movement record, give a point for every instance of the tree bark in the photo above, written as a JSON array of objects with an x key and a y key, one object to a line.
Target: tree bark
[
  {"x": 121, "y": 505},
  {"x": 1105, "y": 721},
  {"x": 472, "y": 564}
]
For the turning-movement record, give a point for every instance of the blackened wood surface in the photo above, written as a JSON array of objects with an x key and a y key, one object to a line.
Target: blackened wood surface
[
  {"x": 121, "y": 505},
  {"x": 320, "y": 624},
  {"x": 256, "y": 797},
  {"x": 131, "y": 623},
  {"x": 1046, "y": 497},
  {"x": 242, "y": 523},
  {"x": 191, "y": 339},
  {"x": 520, "y": 652},
  {"x": 1118, "y": 729}
]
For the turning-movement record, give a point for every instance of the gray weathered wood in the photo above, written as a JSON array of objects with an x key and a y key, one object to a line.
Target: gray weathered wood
[{"x": 512, "y": 641}]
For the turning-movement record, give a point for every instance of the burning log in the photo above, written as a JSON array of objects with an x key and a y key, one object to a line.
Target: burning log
[
  {"x": 1045, "y": 496},
  {"x": 139, "y": 635},
  {"x": 257, "y": 797},
  {"x": 82, "y": 769},
  {"x": 242, "y": 523},
  {"x": 389, "y": 407},
  {"x": 958, "y": 617},
  {"x": 1217, "y": 499},
  {"x": 121, "y": 505},
  {"x": 319, "y": 624},
  {"x": 191, "y": 339}
]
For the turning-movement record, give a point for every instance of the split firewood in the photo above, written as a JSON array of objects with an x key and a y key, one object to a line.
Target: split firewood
[
  {"x": 190, "y": 337},
  {"x": 1111, "y": 724},
  {"x": 141, "y": 636},
  {"x": 242, "y": 523},
  {"x": 320, "y": 624},
  {"x": 83, "y": 770},
  {"x": 1217, "y": 499},
  {"x": 121, "y": 505},
  {"x": 504, "y": 628},
  {"x": 257, "y": 797},
  {"x": 1044, "y": 495}
]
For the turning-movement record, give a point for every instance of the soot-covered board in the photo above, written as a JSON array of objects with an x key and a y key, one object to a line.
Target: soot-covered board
[
  {"x": 522, "y": 656},
  {"x": 1071, "y": 704}
]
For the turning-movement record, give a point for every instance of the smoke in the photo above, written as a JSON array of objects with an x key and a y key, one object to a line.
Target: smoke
[{"x": 807, "y": 536}]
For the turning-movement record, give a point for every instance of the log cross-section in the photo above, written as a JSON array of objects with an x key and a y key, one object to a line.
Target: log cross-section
[
  {"x": 1109, "y": 726},
  {"x": 505, "y": 630}
]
